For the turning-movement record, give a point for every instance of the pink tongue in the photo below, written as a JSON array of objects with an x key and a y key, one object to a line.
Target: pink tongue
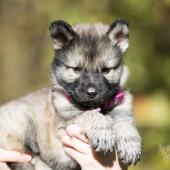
[{"x": 98, "y": 109}]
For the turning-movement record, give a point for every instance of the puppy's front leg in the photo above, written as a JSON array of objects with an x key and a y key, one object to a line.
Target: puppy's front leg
[
  {"x": 99, "y": 130},
  {"x": 128, "y": 140}
]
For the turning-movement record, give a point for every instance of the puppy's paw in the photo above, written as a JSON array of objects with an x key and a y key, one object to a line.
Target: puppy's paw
[
  {"x": 129, "y": 149},
  {"x": 102, "y": 139}
]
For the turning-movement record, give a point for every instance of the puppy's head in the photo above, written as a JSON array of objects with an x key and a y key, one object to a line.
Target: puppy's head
[{"x": 88, "y": 62}]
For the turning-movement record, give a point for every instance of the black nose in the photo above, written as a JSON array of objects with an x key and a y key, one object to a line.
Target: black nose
[{"x": 91, "y": 92}]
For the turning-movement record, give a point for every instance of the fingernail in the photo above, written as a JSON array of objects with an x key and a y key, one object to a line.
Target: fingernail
[
  {"x": 26, "y": 157},
  {"x": 66, "y": 139},
  {"x": 73, "y": 129}
]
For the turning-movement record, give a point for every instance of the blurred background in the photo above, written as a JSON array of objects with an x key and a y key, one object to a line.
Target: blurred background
[{"x": 26, "y": 52}]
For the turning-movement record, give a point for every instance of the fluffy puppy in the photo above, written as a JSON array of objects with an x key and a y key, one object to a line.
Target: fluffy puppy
[{"x": 88, "y": 88}]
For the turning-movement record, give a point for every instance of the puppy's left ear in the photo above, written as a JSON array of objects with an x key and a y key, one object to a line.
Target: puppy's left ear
[{"x": 118, "y": 33}]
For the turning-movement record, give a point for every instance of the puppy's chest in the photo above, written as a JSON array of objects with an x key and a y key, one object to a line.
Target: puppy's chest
[{"x": 60, "y": 123}]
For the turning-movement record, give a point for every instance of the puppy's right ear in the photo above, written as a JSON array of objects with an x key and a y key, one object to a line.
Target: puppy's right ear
[{"x": 61, "y": 33}]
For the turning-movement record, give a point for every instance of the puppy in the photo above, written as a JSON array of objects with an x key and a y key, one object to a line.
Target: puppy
[{"x": 88, "y": 88}]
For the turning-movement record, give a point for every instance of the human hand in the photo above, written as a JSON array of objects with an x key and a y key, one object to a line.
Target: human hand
[
  {"x": 13, "y": 156},
  {"x": 78, "y": 147}
]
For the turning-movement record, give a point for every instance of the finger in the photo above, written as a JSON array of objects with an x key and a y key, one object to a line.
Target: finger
[
  {"x": 74, "y": 154},
  {"x": 13, "y": 156},
  {"x": 118, "y": 165},
  {"x": 77, "y": 144},
  {"x": 74, "y": 130}
]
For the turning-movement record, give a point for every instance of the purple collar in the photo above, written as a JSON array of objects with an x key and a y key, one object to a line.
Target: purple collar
[
  {"x": 114, "y": 101},
  {"x": 109, "y": 104}
]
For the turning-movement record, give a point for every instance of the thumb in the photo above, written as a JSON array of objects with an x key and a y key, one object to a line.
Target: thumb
[{"x": 13, "y": 156}]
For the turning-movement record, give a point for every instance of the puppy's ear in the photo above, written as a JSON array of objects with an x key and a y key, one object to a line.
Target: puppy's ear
[
  {"x": 118, "y": 33},
  {"x": 61, "y": 33}
]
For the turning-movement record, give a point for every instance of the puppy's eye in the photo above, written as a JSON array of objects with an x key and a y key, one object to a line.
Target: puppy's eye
[
  {"x": 77, "y": 69},
  {"x": 106, "y": 70}
]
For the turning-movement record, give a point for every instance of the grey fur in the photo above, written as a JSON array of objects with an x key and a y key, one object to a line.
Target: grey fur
[
  {"x": 30, "y": 137},
  {"x": 37, "y": 121}
]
